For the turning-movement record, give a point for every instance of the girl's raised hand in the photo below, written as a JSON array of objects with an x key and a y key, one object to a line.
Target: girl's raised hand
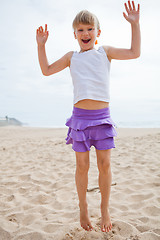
[
  {"x": 133, "y": 14},
  {"x": 42, "y": 35}
]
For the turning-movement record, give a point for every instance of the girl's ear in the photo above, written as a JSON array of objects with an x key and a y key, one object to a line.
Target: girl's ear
[
  {"x": 99, "y": 33},
  {"x": 75, "y": 36}
]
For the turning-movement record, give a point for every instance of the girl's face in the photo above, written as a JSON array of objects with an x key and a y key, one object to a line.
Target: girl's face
[{"x": 86, "y": 36}]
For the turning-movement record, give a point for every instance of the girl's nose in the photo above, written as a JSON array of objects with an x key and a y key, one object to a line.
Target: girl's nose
[{"x": 85, "y": 33}]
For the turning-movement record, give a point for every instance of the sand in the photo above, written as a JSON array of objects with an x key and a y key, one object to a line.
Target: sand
[{"x": 38, "y": 199}]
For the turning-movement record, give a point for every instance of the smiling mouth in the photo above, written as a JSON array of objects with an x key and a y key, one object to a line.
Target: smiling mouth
[{"x": 86, "y": 41}]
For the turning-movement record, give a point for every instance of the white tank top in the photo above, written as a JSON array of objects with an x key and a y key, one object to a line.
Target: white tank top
[{"x": 90, "y": 75}]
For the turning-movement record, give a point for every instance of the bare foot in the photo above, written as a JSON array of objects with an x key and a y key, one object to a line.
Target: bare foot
[
  {"x": 106, "y": 224},
  {"x": 84, "y": 219}
]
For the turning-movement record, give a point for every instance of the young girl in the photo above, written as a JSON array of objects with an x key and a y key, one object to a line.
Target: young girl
[{"x": 90, "y": 123}]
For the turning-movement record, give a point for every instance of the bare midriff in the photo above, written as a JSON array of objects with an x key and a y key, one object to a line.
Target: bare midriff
[{"x": 91, "y": 104}]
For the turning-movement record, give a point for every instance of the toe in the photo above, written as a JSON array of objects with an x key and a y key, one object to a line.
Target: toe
[
  {"x": 110, "y": 227},
  {"x": 106, "y": 229},
  {"x": 87, "y": 227},
  {"x": 103, "y": 228},
  {"x": 84, "y": 226},
  {"x": 90, "y": 226}
]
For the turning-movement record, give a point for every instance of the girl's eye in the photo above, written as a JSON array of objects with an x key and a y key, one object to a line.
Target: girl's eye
[
  {"x": 90, "y": 29},
  {"x": 80, "y": 30}
]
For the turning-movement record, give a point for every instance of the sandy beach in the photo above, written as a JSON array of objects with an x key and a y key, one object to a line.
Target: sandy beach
[{"x": 38, "y": 199}]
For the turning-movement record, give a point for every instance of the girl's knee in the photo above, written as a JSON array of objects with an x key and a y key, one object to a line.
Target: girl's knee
[
  {"x": 103, "y": 160},
  {"x": 82, "y": 166},
  {"x": 104, "y": 166},
  {"x": 82, "y": 162}
]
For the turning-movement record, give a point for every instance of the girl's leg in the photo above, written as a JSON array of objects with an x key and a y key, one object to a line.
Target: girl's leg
[
  {"x": 81, "y": 177},
  {"x": 105, "y": 179}
]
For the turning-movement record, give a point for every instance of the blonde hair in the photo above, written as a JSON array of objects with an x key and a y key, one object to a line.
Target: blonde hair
[{"x": 85, "y": 17}]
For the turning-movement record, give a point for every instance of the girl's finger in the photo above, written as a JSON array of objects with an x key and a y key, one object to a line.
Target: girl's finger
[
  {"x": 126, "y": 7},
  {"x": 133, "y": 5},
  {"x": 125, "y": 16},
  {"x": 129, "y": 4},
  {"x": 45, "y": 27},
  {"x": 138, "y": 7}
]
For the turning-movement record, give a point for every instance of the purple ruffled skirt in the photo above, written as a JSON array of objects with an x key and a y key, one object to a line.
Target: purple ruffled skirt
[{"x": 90, "y": 127}]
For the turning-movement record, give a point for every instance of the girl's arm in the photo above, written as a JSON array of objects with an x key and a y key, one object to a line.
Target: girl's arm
[
  {"x": 55, "y": 67},
  {"x": 134, "y": 51}
]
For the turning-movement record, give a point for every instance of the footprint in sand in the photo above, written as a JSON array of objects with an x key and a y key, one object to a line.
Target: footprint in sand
[
  {"x": 140, "y": 197},
  {"x": 152, "y": 211},
  {"x": 51, "y": 228},
  {"x": 149, "y": 236},
  {"x": 124, "y": 229},
  {"x": 144, "y": 219},
  {"x": 29, "y": 236},
  {"x": 4, "y": 234}
]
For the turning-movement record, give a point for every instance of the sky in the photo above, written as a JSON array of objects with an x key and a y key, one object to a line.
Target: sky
[{"x": 38, "y": 100}]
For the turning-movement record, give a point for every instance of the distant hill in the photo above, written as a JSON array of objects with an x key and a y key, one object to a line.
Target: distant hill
[{"x": 6, "y": 121}]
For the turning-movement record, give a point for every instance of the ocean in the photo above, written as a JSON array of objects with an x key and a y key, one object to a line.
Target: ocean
[{"x": 125, "y": 113}]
